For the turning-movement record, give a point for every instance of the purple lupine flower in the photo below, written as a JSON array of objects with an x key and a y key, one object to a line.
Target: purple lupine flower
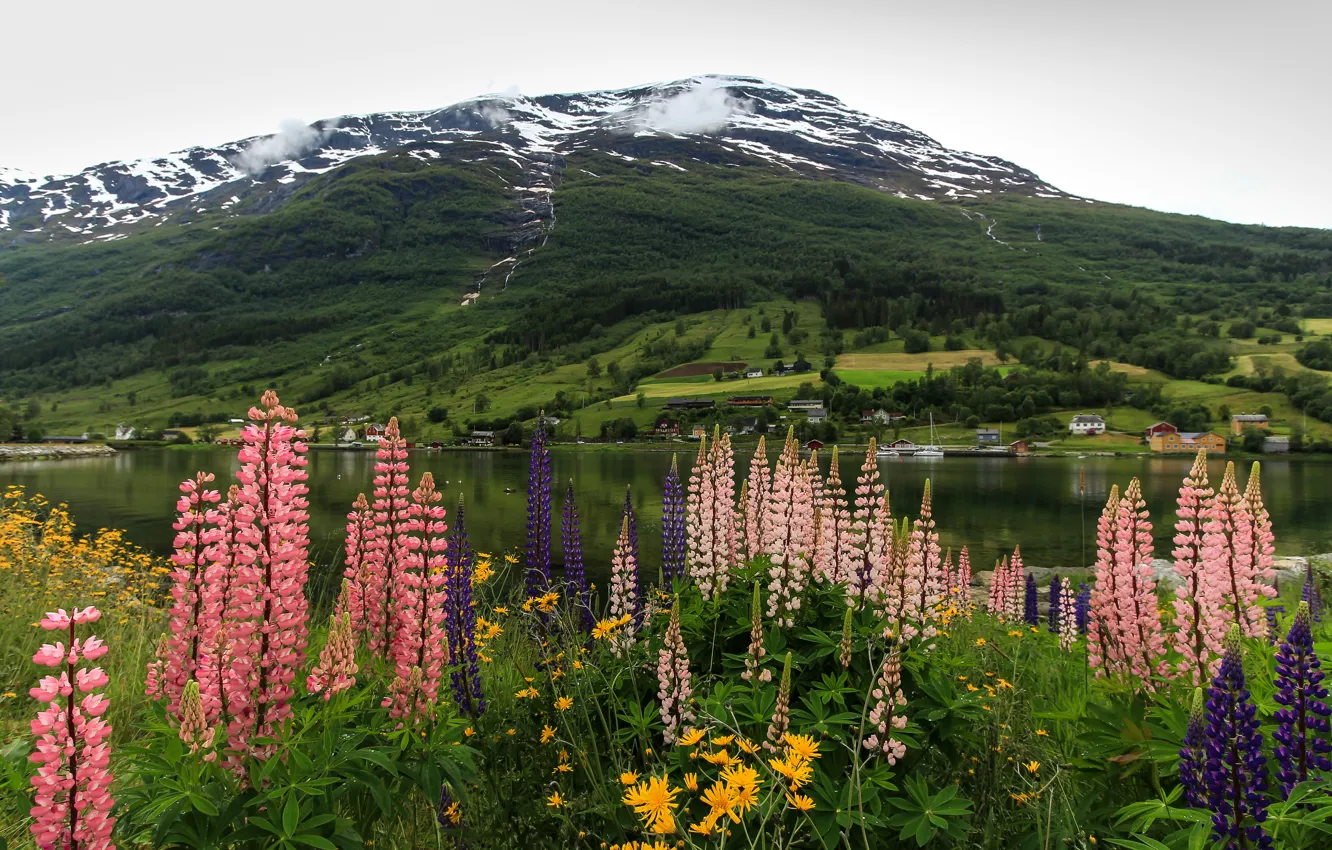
[
  {"x": 1236, "y": 771},
  {"x": 1055, "y": 613},
  {"x": 672, "y": 528},
  {"x": 1030, "y": 612},
  {"x": 632, "y": 516},
  {"x": 1273, "y": 622},
  {"x": 1193, "y": 756},
  {"x": 461, "y": 622},
  {"x": 1311, "y": 594},
  {"x": 1082, "y": 607},
  {"x": 1302, "y": 731},
  {"x": 572, "y": 540},
  {"x": 538, "y": 512}
]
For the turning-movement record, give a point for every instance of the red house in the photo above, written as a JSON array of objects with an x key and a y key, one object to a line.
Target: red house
[
  {"x": 374, "y": 433},
  {"x": 814, "y": 445},
  {"x": 1161, "y": 428},
  {"x": 1019, "y": 447},
  {"x": 667, "y": 427}
]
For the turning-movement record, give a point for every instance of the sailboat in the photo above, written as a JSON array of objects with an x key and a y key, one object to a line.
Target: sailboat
[{"x": 933, "y": 449}]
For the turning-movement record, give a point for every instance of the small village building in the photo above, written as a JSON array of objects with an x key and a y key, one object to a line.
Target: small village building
[
  {"x": 1086, "y": 423},
  {"x": 483, "y": 438},
  {"x": 348, "y": 436},
  {"x": 1188, "y": 442},
  {"x": 666, "y": 427},
  {"x": 374, "y": 433},
  {"x": 754, "y": 373},
  {"x": 698, "y": 432},
  {"x": 804, "y": 403},
  {"x": 817, "y": 414},
  {"x": 870, "y": 417},
  {"x": 1019, "y": 447},
  {"x": 987, "y": 437},
  {"x": 902, "y": 444},
  {"x": 1241, "y": 421},
  {"x": 747, "y": 425},
  {"x": 690, "y": 404},
  {"x": 1161, "y": 428},
  {"x": 814, "y": 445},
  {"x": 1276, "y": 445},
  {"x": 125, "y": 432},
  {"x": 749, "y": 400}
]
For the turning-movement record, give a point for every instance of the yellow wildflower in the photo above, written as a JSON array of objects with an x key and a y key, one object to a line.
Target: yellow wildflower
[
  {"x": 547, "y": 733},
  {"x": 690, "y": 737},
  {"x": 653, "y": 801},
  {"x": 555, "y": 801},
  {"x": 564, "y": 703},
  {"x": 629, "y": 778},
  {"x": 800, "y": 802}
]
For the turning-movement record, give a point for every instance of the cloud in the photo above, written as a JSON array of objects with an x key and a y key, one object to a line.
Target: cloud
[
  {"x": 704, "y": 107},
  {"x": 293, "y": 139},
  {"x": 495, "y": 114}
]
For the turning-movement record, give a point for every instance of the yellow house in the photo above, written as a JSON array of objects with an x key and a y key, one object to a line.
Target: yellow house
[
  {"x": 1240, "y": 421},
  {"x": 1168, "y": 443}
]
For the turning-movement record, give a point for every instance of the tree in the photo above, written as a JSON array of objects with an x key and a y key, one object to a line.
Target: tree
[
  {"x": 208, "y": 433},
  {"x": 774, "y": 348},
  {"x": 751, "y": 332},
  {"x": 513, "y": 435},
  {"x": 766, "y": 324},
  {"x": 593, "y": 368},
  {"x": 1223, "y": 413},
  {"x": 32, "y": 410},
  {"x": 1242, "y": 329},
  {"x": 437, "y": 414},
  {"x": 481, "y": 403},
  {"x": 953, "y": 342},
  {"x": 1253, "y": 439},
  {"x": 132, "y": 398},
  {"x": 613, "y": 368},
  {"x": 642, "y": 399},
  {"x": 679, "y": 327},
  {"x": 1266, "y": 410},
  {"x": 916, "y": 342}
]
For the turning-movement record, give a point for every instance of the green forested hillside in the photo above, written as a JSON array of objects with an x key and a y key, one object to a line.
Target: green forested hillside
[{"x": 348, "y": 294}]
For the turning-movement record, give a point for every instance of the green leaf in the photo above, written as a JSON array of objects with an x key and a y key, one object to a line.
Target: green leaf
[
  {"x": 291, "y": 816},
  {"x": 314, "y": 841},
  {"x": 203, "y": 804}
]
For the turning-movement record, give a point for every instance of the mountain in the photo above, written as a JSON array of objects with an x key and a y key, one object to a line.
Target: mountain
[
  {"x": 473, "y": 258},
  {"x": 803, "y": 131}
]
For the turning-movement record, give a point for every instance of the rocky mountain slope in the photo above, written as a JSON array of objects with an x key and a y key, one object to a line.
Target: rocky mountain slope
[{"x": 722, "y": 120}]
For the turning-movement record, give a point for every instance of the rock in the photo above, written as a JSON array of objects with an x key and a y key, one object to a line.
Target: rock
[
  {"x": 1289, "y": 570},
  {"x": 1165, "y": 573},
  {"x": 1043, "y": 575},
  {"x": 40, "y": 451}
]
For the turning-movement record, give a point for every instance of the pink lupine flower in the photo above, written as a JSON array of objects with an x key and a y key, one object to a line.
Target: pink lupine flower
[
  {"x": 890, "y": 592},
  {"x": 193, "y": 537},
  {"x": 723, "y": 511},
  {"x": 836, "y": 552},
  {"x": 1228, "y": 557},
  {"x": 742, "y": 554},
  {"x": 152, "y": 686},
  {"x": 194, "y": 728},
  {"x": 865, "y": 524},
  {"x": 756, "y": 505},
  {"x": 1200, "y": 622},
  {"x": 419, "y": 644},
  {"x": 790, "y": 513},
  {"x": 884, "y": 718},
  {"x": 994, "y": 603},
  {"x": 673, "y": 678},
  {"x": 698, "y": 522},
  {"x": 1264, "y": 541},
  {"x": 1143, "y": 637},
  {"x": 1014, "y": 587},
  {"x": 624, "y": 589},
  {"x": 269, "y": 629},
  {"x": 1068, "y": 621},
  {"x": 781, "y": 712},
  {"x": 386, "y": 550},
  {"x": 336, "y": 670},
  {"x": 925, "y": 576},
  {"x": 963, "y": 581},
  {"x": 1104, "y": 652},
  {"x": 357, "y": 567},
  {"x": 221, "y": 606},
  {"x": 72, "y": 801}
]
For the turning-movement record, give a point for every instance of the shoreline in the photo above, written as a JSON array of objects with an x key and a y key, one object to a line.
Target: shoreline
[{"x": 14, "y": 452}]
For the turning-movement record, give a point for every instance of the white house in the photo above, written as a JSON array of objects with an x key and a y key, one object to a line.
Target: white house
[
  {"x": 804, "y": 403},
  {"x": 349, "y": 435},
  {"x": 1086, "y": 423},
  {"x": 125, "y": 432},
  {"x": 754, "y": 373}
]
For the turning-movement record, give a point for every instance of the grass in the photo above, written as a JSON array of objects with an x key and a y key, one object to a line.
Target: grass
[
  {"x": 870, "y": 379},
  {"x": 769, "y": 384},
  {"x": 941, "y": 360}
]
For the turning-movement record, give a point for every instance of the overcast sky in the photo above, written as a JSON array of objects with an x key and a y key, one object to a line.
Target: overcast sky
[{"x": 1220, "y": 108}]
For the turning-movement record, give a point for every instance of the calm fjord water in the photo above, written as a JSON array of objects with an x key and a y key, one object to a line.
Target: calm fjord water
[{"x": 989, "y": 505}]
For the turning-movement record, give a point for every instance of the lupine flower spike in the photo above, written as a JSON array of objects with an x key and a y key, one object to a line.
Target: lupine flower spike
[
  {"x": 1054, "y": 599},
  {"x": 673, "y": 679},
  {"x": 672, "y": 527},
  {"x": 756, "y": 508},
  {"x": 385, "y": 551},
  {"x": 1068, "y": 616},
  {"x": 72, "y": 804},
  {"x": 538, "y": 512},
  {"x": 461, "y": 622},
  {"x": 1082, "y": 608},
  {"x": 844, "y": 656},
  {"x": 1228, "y": 553},
  {"x": 865, "y": 551},
  {"x": 1030, "y": 612},
  {"x": 885, "y": 718},
  {"x": 1236, "y": 772},
  {"x": 358, "y": 569},
  {"x": 336, "y": 670},
  {"x": 836, "y": 555},
  {"x": 623, "y": 588},
  {"x": 781, "y": 714},
  {"x": 1200, "y": 620},
  {"x": 1303, "y": 733},
  {"x": 420, "y": 645},
  {"x": 754, "y": 657},
  {"x": 1193, "y": 756},
  {"x": 268, "y": 641},
  {"x": 193, "y": 539},
  {"x": 574, "y": 571},
  {"x": 1311, "y": 594}
]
